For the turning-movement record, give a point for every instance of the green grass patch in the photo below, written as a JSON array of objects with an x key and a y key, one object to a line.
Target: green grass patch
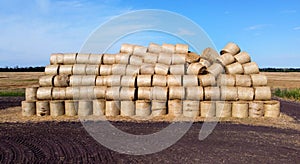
[
  {"x": 12, "y": 93},
  {"x": 288, "y": 93}
]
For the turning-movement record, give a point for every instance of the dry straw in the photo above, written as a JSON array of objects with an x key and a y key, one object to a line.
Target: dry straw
[
  {"x": 154, "y": 48},
  {"x": 168, "y": 48},
  {"x": 79, "y": 69},
  {"x": 95, "y": 59},
  {"x": 28, "y": 108},
  {"x": 160, "y": 93},
  {"x": 51, "y": 69},
  {"x": 256, "y": 109},
  {"x": 71, "y": 107},
  {"x": 57, "y": 108},
  {"x": 159, "y": 80},
  {"x": 245, "y": 93},
  {"x": 57, "y": 58},
  {"x": 144, "y": 93},
  {"x": 88, "y": 80},
  {"x": 123, "y": 58},
  {"x": 42, "y": 108},
  {"x": 112, "y": 108},
  {"x": 144, "y": 80},
  {"x": 208, "y": 109},
  {"x": 44, "y": 93},
  {"x": 92, "y": 70},
  {"x": 243, "y": 81},
  {"x": 127, "y": 108},
  {"x": 192, "y": 57},
  {"x": 223, "y": 109},
  {"x": 194, "y": 93},
  {"x": 127, "y": 93},
  {"x": 191, "y": 108},
  {"x": 109, "y": 59},
  {"x": 114, "y": 80},
  {"x": 30, "y": 94},
  {"x": 59, "y": 93},
  {"x": 262, "y": 93},
  {"x": 226, "y": 59},
  {"x": 113, "y": 93},
  {"x": 215, "y": 69},
  {"x": 181, "y": 48},
  {"x": 136, "y": 60},
  {"x": 86, "y": 93},
  {"x": 229, "y": 93},
  {"x": 82, "y": 58},
  {"x": 127, "y": 48},
  {"x": 178, "y": 59},
  {"x": 100, "y": 92},
  {"x": 226, "y": 80},
  {"x": 178, "y": 69},
  {"x": 128, "y": 81},
  {"x": 75, "y": 80},
  {"x": 240, "y": 109},
  {"x": 158, "y": 108},
  {"x": 176, "y": 92},
  {"x": 272, "y": 108},
  {"x": 61, "y": 81},
  {"x": 242, "y": 57},
  {"x": 235, "y": 68},
  {"x": 161, "y": 69},
  {"x": 174, "y": 80},
  {"x": 250, "y": 68},
  {"x": 150, "y": 58},
  {"x": 139, "y": 50},
  {"x": 65, "y": 70},
  {"x": 231, "y": 48},
  {"x": 132, "y": 70},
  {"x": 72, "y": 93},
  {"x": 190, "y": 80},
  {"x": 259, "y": 80},
  {"x": 175, "y": 107},
  {"x": 211, "y": 93},
  {"x": 105, "y": 70},
  {"x": 85, "y": 108},
  {"x": 195, "y": 69},
  {"x": 205, "y": 63},
  {"x": 164, "y": 58},
  {"x": 101, "y": 80},
  {"x": 99, "y": 107},
  {"x": 70, "y": 58},
  {"x": 142, "y": 108},
  {"x": 207, "y": 80},
  {"x": 147, "y": 69},
  {"x": 210, "y": 54}
]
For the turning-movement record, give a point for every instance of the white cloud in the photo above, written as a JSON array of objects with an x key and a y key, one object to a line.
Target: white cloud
[
  {"x": 257, "y": 27},
  {"x": 296, "y": 28}
]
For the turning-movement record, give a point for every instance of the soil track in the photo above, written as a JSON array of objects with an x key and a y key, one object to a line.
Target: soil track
[{"x": 68, "y": 142}]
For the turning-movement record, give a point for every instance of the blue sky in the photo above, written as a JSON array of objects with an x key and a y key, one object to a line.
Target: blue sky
[{"x": 31, "y": 30}]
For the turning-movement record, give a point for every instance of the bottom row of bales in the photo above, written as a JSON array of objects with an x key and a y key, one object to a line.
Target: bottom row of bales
[{"x": 145, "y": 108}]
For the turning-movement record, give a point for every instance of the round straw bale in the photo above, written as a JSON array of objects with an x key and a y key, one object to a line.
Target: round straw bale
[
  {"x": 212, "y": 93},
  {"x": 113, "y": 93},
  {"x": 127, "y": 93},
  {"x": 243, "y": 80},
  {"x": 174, "y": 80},
  {"x": 88, "y": 80},
  {"x": 225, "y": 59},
  {"x": 70, "y": 58},
  {"x": 92, "y": 69},
  {"x": 127, "y": 108},
  {"x": 176, "y": 92},
  {"x": 72, "y": 93},
  {"x": 161, "y": 69},
  {"x": 100, "y": 92},
  {"x": 181, "y": 48},
  {"x": 231, "y": 48},
  {"x": 256, "y": 109},
  {"x": 65, "y": 70},
  {"x": 119, "y": 69},
  {"x": 191, "y": 108},
  {"x": 51, "y": 69},
  {"x": 28, "y": 108},
  {"x": 105, "y": 70},
  {"x": 136, "y": 60},
  {"x": 128, "y": 81},
  {"x": 258, "y": 80},
  {"x": 205, "y": 62},
  {"x": 95, "y": 59},
  {"x": 109, "y": 59},
  {"x": 101, "y": 80},
  {"x": 178, "y": 59},
  {"x": 142, "y": 108},
  {"x": 210, "y": 54},
  {"x": 262, "y": 93},
  {"x": 99, "y": 107},
  {"x": 215, "y": 69},
  {"x": 208, "y": 109},
  {"x": 46, "y": 80},
  {"x": 58, "y": 93},
  {"x": 250, "y": 68},
  {"x": 192, "y": 57},
  {"x": 42, "y": 108},
  {"x": 61, "y": 81},
  {"x": 150, "y": 58},
  {"x": 191, "y": 113},
  {"x": 160, "y": 93},
  {"x": 272, "y": 108},
  {"x": 245, "y": 93},
  {"x": 144, "y": 80},
  {"x": 127, "y": 48},
  {"x": 175, "y": 107},
  {"x": 178, "y": 69},
  {"x": 139, "y": 50},
  {"x": 240, "y": 109},
  {"x": 207, "y": 80},
  {"x": 71, "y": 107},
  {"x": 82, "y": 58},
  {"x": 195, "y": 69},
  {"x": 194, "y": 93},
  {"x": 112, "y": 108},
  {"x": 44, "y": 93},
  {"x": 168, "y": 48},
  {"x": 226, "y": 80},
  {"x": 158, "y": 105},
  {"x": 235, "y": 68},
  {"x": 144, "y": 93},
  {"x": 156, "y": 113},
  {"x": 164, "y": 58},
  {"x": 242, "y": 57},
  {"x": 85, "y": 108},
  {"x": 229, "y": 93},
  {"x": 79, "y": 69},
  {"x": 223, "y": 109},
  {"x": 147, "y": 69},
  {"x": 154, "y": 48},
  {"x": 133, "y": 70},
  {"x": 57, "y": 58},
  {"x": 190, "y": 80},
  {"x": 57, "y": 108},
  {"x": 123, "y": 58},
  {"x": 159, "y": 80},
  {"x": 30, "y": 94},
  {"x": 86, "y": 93}
]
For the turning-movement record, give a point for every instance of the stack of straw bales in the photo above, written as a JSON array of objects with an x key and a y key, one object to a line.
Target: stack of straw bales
[{"x": 153, "y": 81}]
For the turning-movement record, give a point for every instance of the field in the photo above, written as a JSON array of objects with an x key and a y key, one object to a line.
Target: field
[{"x": 64, "y": 139}]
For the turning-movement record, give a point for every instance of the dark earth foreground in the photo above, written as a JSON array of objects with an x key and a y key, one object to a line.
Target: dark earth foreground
[{"x": 68, "y": 142}]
